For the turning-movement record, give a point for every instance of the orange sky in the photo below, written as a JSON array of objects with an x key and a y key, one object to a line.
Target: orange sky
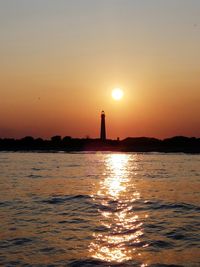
[{"x": 61, "y": 59}]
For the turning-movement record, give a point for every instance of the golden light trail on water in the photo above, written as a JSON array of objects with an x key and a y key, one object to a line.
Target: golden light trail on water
[{"x": 122, "y": 226}]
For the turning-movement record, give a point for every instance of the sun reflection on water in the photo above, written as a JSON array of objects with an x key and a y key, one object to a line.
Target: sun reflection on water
[
  {"x": 122, "y": 227},
  {"x": 115, "y": 183}
]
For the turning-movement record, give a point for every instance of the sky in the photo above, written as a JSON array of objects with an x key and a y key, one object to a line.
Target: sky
[{"x": 60, "y": 60}]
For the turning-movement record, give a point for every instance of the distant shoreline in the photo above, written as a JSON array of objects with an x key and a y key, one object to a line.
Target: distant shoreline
[{"x": 175, "y": 144}]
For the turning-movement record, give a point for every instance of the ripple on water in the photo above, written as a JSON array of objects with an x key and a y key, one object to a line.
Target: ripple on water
[
  {"x": 66, "y": 198},
  {"x": 160, "y": 205},
  {"x": 15, "y": 242},
  {"x": 5, "y": 203},
  {"x": 99, "y": 210},
  {"x": 35, "y": 176}
]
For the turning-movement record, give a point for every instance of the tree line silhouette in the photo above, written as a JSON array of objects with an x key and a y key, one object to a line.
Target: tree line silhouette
[{"x": 130, "y": 144}]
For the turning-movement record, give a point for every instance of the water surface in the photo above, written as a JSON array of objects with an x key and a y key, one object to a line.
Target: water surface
[{"x": 99, "y": 209}]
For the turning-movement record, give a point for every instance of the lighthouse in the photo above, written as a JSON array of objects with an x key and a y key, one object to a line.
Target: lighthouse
[{"x": 103, "y": 127}]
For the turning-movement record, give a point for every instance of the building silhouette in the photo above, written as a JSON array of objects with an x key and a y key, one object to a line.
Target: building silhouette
[{"x": 103, "y": 127}]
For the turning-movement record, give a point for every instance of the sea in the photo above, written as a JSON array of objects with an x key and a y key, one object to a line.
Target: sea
[{"x": 99, "y": 209}]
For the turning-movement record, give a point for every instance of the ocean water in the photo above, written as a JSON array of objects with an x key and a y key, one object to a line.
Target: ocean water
[{"x": 99, "y": 209}]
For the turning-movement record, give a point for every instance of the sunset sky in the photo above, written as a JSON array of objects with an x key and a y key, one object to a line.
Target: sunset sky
[{"x": 60, "y": 60}]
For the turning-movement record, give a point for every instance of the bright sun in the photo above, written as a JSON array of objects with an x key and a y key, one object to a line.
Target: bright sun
[{"x": 117, "y": 94}]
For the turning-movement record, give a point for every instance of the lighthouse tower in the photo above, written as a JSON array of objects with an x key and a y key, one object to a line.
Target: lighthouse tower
[{"x": 103, "y": 127}]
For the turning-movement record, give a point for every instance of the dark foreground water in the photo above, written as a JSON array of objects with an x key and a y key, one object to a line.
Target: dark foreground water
[{"x": 100, "y": 209}]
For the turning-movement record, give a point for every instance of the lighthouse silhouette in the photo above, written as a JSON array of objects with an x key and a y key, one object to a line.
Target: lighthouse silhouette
[{"x": 103, "y": 127}]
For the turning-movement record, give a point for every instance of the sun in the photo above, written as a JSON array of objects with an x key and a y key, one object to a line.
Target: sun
[{"x": 117, "y": 94}]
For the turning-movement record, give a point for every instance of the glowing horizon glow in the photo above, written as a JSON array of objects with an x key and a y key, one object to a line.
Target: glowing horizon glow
[
  {"x": 83, "y": 51},
  {"x": 117, "y": 94}
]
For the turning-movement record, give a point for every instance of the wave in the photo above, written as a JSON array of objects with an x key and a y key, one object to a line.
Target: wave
[
  {"x": 156, "y": 205},
  {"x": 66, "y": 198},
  {"x": 92, "y": 263}
]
